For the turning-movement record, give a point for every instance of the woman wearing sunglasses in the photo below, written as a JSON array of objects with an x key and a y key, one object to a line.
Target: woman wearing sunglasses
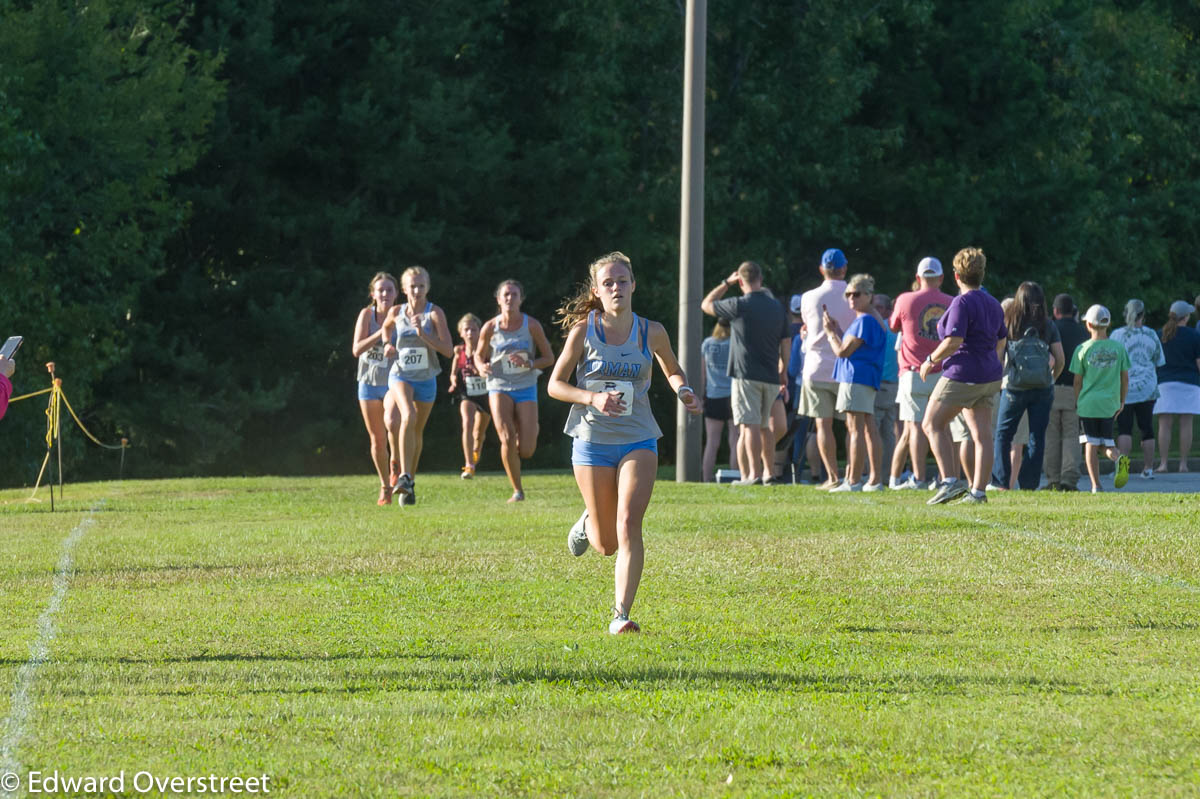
[{"x": 860, "y": 352}]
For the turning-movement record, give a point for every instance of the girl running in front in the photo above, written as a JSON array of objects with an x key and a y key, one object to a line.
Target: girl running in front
[
  {"x": 505, "y": 357},
  {"x": 416, "y": 333},
  {"x": 379, "y": 411},
  {"x": 469, "y": 389},
  {"x": 615, "y": 452}
]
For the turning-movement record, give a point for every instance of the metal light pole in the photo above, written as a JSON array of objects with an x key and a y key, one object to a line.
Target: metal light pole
[{"x": 691, "y": 236}]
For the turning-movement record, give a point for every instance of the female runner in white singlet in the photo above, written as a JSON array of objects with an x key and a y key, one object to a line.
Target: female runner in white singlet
[
  {"x": 379, "y": 410},
  {"x": 615, "y": 452},
  {"x": 416, "y": 333},
  {"x": 505, "y": 357}
]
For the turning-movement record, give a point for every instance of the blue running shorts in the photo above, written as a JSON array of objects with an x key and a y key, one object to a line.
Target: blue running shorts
[
  {"x": 423, "y": 390},
  {"x": 369, "y": 392},
  {"x": 589, "y": 453},
  {"x": 528, "y": 394}
]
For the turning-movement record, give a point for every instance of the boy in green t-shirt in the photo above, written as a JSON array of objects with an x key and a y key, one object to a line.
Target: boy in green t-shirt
[{"x": 1101, "y": 369}]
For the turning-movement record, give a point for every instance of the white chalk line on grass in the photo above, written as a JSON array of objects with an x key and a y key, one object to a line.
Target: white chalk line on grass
[
  {"x": 21, "y": 707},
  {"x": 1092, "y": 557}
]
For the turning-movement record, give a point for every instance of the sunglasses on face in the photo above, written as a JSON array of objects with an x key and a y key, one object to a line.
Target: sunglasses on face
[{"x": 852, "y": 294}]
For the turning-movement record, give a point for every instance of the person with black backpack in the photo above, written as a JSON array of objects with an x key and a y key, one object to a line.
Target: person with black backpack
[{"x": 1033, "y": 360}]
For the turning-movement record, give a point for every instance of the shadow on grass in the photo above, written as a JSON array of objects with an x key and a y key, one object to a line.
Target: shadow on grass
[{"x": 646, "y": 679}]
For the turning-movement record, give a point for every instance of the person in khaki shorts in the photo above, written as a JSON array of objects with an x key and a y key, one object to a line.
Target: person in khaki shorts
[
  {"x": 818, "y": 394},
  {"x": 760, "y": 344},
  {"x": 915, "y": 317},
  {"x": 973, "y": 336},
  {"x": 859, "y": 366},
  {"x": 1063, "y": 458}
]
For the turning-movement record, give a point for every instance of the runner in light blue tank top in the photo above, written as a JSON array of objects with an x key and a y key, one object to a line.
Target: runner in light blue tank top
[
  {"x": 417, "y": 333},
  {"x": 505, "y": 355},
  {"x": 379, "y": 411},
  {"x": 615, "y": 453},
  {"x": 625, "y": 369}
]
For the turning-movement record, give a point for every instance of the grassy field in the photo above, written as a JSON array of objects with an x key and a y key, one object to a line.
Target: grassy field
[{"x": 794, "y": 643}]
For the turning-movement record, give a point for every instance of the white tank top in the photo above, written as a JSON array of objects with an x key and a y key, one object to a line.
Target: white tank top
[
  {"x": 414, "y": 360},
  {"x": 505, "y": 376},
  {"x": 626, "y": 368},
  {"x": 373, "y": 365}
]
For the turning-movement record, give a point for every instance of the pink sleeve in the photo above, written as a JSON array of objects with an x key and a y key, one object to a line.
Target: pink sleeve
[{"x": 5, "y": 393}]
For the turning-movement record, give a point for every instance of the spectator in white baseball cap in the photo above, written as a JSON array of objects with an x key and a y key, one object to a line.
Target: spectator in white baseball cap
[{"x": 1178, "y": 383}]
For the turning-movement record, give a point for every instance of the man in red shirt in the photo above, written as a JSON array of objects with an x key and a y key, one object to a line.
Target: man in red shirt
[{"x": 915, "y": 317}]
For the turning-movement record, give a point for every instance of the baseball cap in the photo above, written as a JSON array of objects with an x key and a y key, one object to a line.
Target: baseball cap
[
  {"x": 1097, "y": 315},
  {"x": 833, "y": 258},
  {"x": 929, "y": 267},
  {"x": 795, "y": 303},
  {"x": 1182, "y": 308}
]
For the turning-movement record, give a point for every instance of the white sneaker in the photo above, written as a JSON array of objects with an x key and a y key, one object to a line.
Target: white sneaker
[
  {"x": 745, "y": 481},
  {"x": 947, "y": 491},
  {"x": 872, "y": 487},
  {"x": 577, "y": 539},
  {"x": 913, "y": 484},
  {"x": 845, "y": 486},
  {"x": 623, "y": 624},
  {"x": 894, "y": 483}
]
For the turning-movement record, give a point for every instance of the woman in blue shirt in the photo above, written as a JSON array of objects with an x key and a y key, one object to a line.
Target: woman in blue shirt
[
  {"x": 715, "y": 388},
  {"x": 859, "y": 365}
]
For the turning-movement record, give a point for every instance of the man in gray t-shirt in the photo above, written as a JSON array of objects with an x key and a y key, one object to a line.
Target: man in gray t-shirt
[{"x": 760, "y": 344}]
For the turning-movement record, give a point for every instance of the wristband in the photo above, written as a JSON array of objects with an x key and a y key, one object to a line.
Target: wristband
[{"x": 683, "y": 388}]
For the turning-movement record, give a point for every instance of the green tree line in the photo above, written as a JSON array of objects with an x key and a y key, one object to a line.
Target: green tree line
[{"x": 193, "y": 197}]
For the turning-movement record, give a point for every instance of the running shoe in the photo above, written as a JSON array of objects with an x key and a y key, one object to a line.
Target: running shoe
[
  {"x": 745, "y": 481},
  {"x": 518, "y": 496},
  {"x": 872, "y": 487},
  {"x": 970, "y": 499},
  {"x": 845, "y": 486},
  {"x": 467, "y": 472},
  {"x": 577, "y": 539},
  {"x": 1122, "y": 475},
  {"x": 406, "y": 489},
  {"x": 951, "y": 489},
  {"x": 1147, "y": 474},
  {"x": 909, "y": 484},
  {"x": 621, "y": 623},
  {"x": 385, "y": 495}
]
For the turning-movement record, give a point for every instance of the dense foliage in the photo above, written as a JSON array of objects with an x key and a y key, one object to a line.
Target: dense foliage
[{"x": 191, "y": 204}]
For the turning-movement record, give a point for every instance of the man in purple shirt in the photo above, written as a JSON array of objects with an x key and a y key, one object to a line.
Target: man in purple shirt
[{"x": 973, "y": 335}]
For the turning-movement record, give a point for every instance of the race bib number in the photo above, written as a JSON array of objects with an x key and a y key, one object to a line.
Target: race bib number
[
  {"x": 413, "y": 359},
  {"x": 375, "y": 355},
  {"x": 622, "y": 387},
  {"x": 476, "y": 386},
  {"x": 507, "y": 367}
]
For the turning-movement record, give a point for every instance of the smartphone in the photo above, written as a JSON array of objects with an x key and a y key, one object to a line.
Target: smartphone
[{"x": 11, "y": 346}]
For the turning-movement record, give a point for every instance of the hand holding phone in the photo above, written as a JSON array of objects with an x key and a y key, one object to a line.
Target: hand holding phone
[{"x": 10, "y": 347}]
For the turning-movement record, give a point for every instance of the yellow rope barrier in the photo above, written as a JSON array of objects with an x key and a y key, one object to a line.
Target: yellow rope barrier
[
  {"x": 27, "y": 396},
  {"x": 86, "y": 432},
  {"x": 54, "y": 428}
]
